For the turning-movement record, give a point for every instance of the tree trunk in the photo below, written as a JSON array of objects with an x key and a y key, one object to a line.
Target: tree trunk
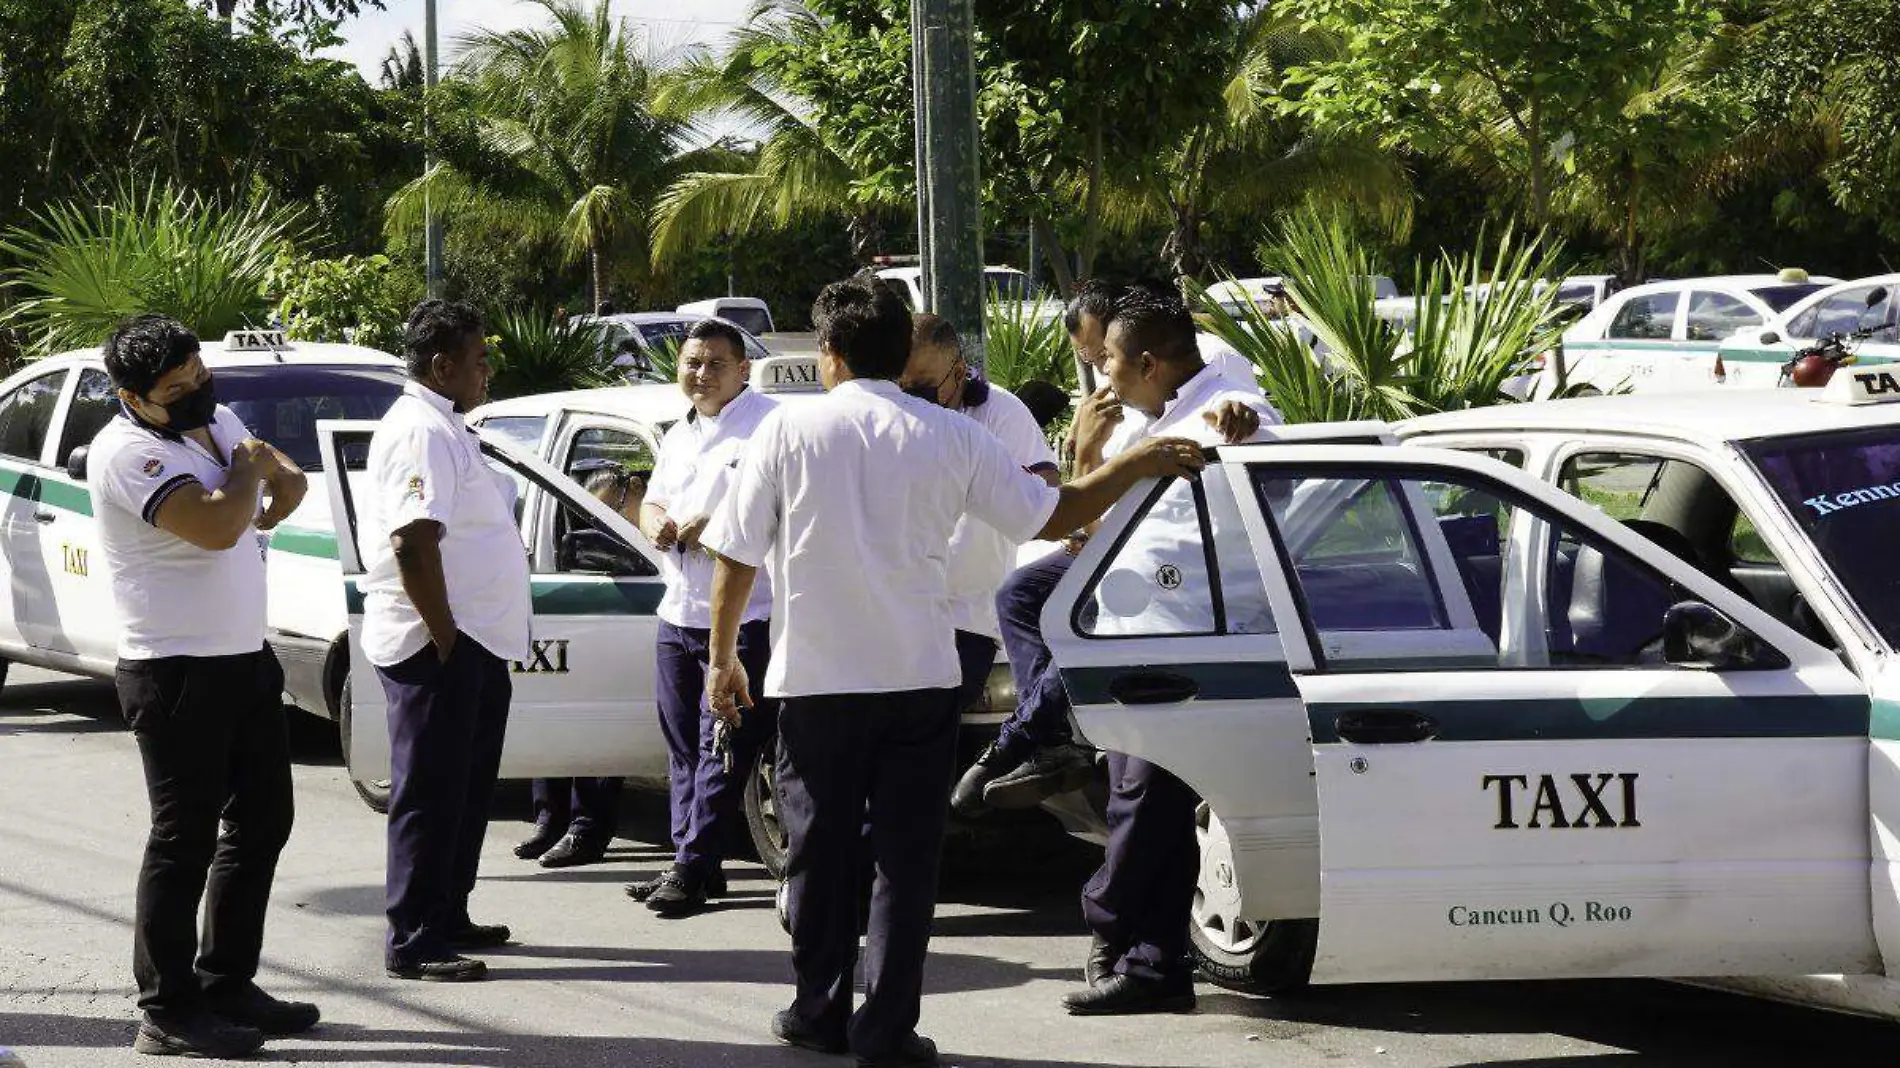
[
  {"x": 1629, "y": 256},
  {"x": 1540, "y": 196},
  {"x": 1058, "y": 256},
  {"x": 866, "y": 237},
  {"x": 1181, "y": 249},
  {"x": 1092, "y": 204},
  {"x": 226, "y": 9},
  {"x": 599, "y": 260}
]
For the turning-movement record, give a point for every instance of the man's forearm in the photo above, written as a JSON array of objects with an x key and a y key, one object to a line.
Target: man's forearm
[
  {"x": 287, "y": 489},
  {"x": 731, "y": 589},
  {"x": 419, "y": 565},
  {"x": 1085, "y": 498}
]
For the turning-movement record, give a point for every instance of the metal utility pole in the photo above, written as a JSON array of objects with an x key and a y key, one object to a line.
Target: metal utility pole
[
  {"x": 431, "y": 224},
  {"x": 949, "y": 208}
]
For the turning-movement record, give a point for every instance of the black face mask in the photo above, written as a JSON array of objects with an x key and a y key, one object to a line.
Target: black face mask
[
  {"x": 192, "y": 411},
  {"x": 925, "y": 393}
]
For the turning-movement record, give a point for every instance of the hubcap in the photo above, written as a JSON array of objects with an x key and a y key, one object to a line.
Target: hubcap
[
  {"x": 768, "y": 800},
  {"x": 1216, "y": 896}
]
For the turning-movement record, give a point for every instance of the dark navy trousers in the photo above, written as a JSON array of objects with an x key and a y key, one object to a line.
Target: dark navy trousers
[
  {"x": 1042, "y": 705},
  {"x": 845, "y": 761},
  {"x": 588, "y": 808},
  {"x": 446, "y": 725},
  {"x": 1141, "y": 899},
  {"x": 704, "y": 796},
  {"x": 976, "y": 655}
]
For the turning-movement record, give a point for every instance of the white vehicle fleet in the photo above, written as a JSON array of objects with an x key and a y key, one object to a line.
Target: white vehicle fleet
[
  {"x": 1754, "y": 357},
  {"x": 60, "y": 614},
  {"x": 1451, "y": 721}
]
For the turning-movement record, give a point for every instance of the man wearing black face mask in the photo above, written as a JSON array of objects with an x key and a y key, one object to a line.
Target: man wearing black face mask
[{"x": 176, "y": 483}]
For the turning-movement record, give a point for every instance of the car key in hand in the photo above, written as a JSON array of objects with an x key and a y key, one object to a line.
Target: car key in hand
[{"x": 722, "y": 743}]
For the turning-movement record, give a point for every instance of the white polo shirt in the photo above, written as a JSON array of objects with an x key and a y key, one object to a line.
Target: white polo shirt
[
  {"x": 424, "y": 463},
  {"x": 173, "y": 598},
  {"x": 853, "y": 498},
  {"x": 1227, "y": 361},
  {"x": 980, "y": 555},
  {"x": 699, "y": 458},
  {"x": 1155, "y": 584}
]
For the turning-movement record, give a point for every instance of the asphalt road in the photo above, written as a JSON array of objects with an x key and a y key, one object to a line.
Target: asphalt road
[{"x": 597, "y": 981}]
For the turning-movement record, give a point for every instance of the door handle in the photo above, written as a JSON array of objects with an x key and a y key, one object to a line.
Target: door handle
[
  {"x": 1152, "y": 688},
  {"x": 1385, "y": 726},
  {"x": 41, "y": 515}
]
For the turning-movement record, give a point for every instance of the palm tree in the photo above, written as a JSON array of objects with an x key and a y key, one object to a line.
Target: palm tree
[
  {"x": 402, "y": 67},
  {"x": 565, "y": 142},
  {"x": 794, "y": 174},
  {"x": 1250, "y": 159}
]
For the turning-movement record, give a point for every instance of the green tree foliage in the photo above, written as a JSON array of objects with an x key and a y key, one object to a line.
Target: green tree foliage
[
  {"x": 362, "y": 300},
  {"x": 85, "y": 266}
]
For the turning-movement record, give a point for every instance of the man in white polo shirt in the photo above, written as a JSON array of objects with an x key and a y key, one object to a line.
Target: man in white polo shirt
[
  {"x": 854, "y": 498},
  {"x": 175, "y": 482},
  {"x": 698, "y": 459},
  {"x": 445, "y": 609}
]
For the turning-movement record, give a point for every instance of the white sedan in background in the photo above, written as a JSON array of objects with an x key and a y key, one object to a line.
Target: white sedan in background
[{"x": 1754, "y": 357}]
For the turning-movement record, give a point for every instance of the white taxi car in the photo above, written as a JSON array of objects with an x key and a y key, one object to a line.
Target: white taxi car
[
  {"x": 1453, "y": 722},
  {"x": 584, "y": 700},
  {"x": 1754, "y": 357},
  {"x": 60, "y": 614},
  {"x": 1664, "y": 335}
]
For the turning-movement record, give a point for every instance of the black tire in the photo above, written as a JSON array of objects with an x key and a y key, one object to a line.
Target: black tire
[
  {"x": 374, "y": 792},
  {"x": 761, "y": 811},
  {"x": 1257, "y": 957}
]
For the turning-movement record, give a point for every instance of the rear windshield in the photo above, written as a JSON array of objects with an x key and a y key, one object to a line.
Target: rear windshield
[
  {"x": 1781, "y": 298},
  {"x": 1843, "y": 490},
  {"x": 281, "y": 403}
]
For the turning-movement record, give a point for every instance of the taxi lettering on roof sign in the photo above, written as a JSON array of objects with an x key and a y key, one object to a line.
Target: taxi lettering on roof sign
[
  {"x": 1872, "y": 385},
  {"x": 787, "y": 374}
]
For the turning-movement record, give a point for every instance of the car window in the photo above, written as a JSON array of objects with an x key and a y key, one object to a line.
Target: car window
[
  {"x": 1847, "y": 311},
  {"x": 1648, "y": 317},
  {"x": 26, "y": 414},
  {"x": 522, "y": 431},
  {"x": 751, "y": 320},
  {"x": 623, "y": 447},
  {"x": 1433, "y": 568},
  {"x": 1184, "y": 568},
  {"x": 1714, "y": 316},
  {"x": 95, "y": 402},
  {"x": 1781, "y": 298},
  {"x": 281, "y": 403},
  {"x": 1745, "y": 543}
]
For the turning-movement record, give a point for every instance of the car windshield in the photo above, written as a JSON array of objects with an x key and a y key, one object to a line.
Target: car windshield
[
  {"x": 1843, "y": 489},
  {"x": 1781, "y": 298},
  {"x": 663, "y": 333},
  {"x": 281, "y": 403}
]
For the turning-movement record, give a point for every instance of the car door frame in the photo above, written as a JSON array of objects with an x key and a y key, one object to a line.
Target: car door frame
[
  {"x": 49, "y": 501},
  {"x": 1371, "y": 931}
]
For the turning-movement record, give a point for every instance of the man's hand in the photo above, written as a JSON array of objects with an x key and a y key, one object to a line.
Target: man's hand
[
  {"x": 1166, "y": 457},
  {"x": 254, "y": 458},
  {"x": 1095, "y": 419},
  {"x": 445, "y": 647},
  {"x": 665, "y": 534},
  {"x": 689, "y": 531},
  {"x": 1233, "y": 421},
  {"x": 728, "y": 690}
]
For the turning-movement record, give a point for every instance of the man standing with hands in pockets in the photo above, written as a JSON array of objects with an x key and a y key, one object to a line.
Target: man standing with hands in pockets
[
  {"x": 445, "y": 609},
  {"x": 854, "y": 497}
]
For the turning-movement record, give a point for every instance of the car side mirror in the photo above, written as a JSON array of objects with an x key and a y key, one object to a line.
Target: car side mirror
[
  {"x": 1769, "y": 337},
  {"x": 76, "y": 463},
  {"x": 598, "y": 552},
  {"x": 1696, "y": 635}
]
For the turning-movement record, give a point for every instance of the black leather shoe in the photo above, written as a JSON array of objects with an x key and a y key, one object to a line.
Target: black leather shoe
[
  {"x": 199, "y": 1035},
  {"x": 251, "y": 1007},
  {"x": 480, "y": 936},
  {"x": 1054, "y": 769},
  {"x": 991, "y": 764},
  {"x": 1127, "y": 995},
  {"x": 914, "y": 1052},
  {"x": 573, "y": 851},
  {"x": 447, "y": 970},
  {"x": 540, "y": 842},
  {"x": 715, "y": 886},
  {"x": 1100, "y": 963},
  {"x": 789, "y": 1029},
  {"x": 681, "y": 892}
]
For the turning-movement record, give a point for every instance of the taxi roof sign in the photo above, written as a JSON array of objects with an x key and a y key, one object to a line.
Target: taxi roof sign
[
  {"x": 787, "y": 374},
  {"x": 255, "y": 341},
  {"x": 1877, "y": 384}
]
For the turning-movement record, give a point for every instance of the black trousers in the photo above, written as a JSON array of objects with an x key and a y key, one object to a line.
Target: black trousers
[
  {"x": 587, "y": 808},
  {"x": 211, "y": 734},
  {"x": 1140, "y": 901},
  {"x": 846, "y": 761},
  {"x": 446, "y": 725}
]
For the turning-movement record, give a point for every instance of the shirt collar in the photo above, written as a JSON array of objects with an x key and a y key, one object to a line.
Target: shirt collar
[
  {"x": 737, "y": 403},
  {"x": 430, "y": 397},
  {"x": 1189, "y": 396},
  {"x": 883, "y": 387}
]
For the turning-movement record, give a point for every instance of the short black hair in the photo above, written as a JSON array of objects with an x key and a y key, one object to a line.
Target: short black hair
[
  {"x": 1046, "y": 401},
  {"x": 1155, "y": 320},
  {"x": 1092, "y": 297},
  {"x": 718, "y": 330},
  {"x": 145, "y": 348},
  {"x": 437, "y": 326},
  {"x": 866, "y": 324},
  {"x": 605, "y": 307},
  {"x": 928, "y": 328}
]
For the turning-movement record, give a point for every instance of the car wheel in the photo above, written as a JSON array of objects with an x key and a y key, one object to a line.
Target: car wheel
[
  {"x": 374, "y": 792},
  {"x": 1256, "y": 956},
  {"x": 761, "y": 811}
]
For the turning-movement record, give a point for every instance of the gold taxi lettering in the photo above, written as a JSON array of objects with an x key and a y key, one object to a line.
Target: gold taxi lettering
[
  {"x": 544, "y": 658},
  {"x": 1550, "y": 802},
  {"x": 74, "y": 559}
]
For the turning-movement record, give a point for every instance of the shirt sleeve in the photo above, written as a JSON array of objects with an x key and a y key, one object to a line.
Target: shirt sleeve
[
  {"x": 744, "y": 525},
  {"x": 1000, "y": 492},
  {"x": 417, "y": 479},
  {"x": 1018, "y": 430},
  {"x": 141, "y": 476}
]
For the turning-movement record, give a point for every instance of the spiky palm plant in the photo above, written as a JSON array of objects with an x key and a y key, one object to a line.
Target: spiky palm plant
[
  {"x": 1020, "y": 343},
  {"x": 79, "y": 267},
  {"x": 535, "y": 354}
]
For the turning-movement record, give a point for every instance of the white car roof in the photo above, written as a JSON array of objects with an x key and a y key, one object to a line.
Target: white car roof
[
  {"x": 656, "y": 402},
  {"x": 1706, "y": 417},
  {"x": 216, "y": 355}
]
